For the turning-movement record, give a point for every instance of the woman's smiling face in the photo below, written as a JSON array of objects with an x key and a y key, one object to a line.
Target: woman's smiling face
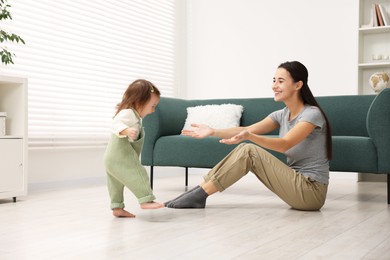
[{"x": 283, "y": 85}]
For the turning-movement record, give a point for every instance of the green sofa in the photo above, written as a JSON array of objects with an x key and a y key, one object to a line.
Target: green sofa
[{"x": 360, "y": 132}]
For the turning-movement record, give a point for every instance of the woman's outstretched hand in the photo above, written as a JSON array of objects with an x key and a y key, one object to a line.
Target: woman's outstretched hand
[
  {"x": 198, "y": 131},
  {"x": 243, "y": 135}
]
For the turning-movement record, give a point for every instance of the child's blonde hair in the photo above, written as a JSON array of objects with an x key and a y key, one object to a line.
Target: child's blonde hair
[{"x": 137, "y": 95}]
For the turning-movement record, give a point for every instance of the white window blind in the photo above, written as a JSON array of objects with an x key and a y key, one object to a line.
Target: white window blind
[{"x": 79, "y": 58}]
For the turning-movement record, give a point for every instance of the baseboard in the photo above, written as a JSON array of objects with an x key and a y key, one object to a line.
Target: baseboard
[{"x": 64, "y": 184}]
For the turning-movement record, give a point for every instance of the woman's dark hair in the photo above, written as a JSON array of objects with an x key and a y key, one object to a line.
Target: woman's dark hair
[
  {"x": 299, "y": 73},
  {"x": 137, "y": 95}
]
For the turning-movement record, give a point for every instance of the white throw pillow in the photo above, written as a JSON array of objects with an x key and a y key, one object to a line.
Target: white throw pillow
[{"x": 215, "y": 116}]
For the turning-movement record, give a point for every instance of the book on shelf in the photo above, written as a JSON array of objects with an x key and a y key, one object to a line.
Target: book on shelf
[
  {"x": 374, "y": 15},
  {"x": 3, "y": 115},
  {"x": 378, "y": 17},
  {"x": 373, "y": 20},
  {"x": 384, "y": 15}
]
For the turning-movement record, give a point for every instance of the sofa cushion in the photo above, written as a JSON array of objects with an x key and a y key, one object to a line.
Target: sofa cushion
[
  {"x": 179, "y": 150},
  {"x": 353, "y": 154},
  {"x": 356, "y": 154},
  {"x": 347, "y": 114}
]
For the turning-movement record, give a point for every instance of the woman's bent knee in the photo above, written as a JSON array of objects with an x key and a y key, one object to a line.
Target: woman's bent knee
[{"x": 307, "y": 206}]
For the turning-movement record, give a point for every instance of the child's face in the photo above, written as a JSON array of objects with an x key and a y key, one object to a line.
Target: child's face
[{"x": 149, "y": 107}]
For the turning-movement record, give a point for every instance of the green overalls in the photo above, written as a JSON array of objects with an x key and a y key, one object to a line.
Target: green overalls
[{"x": 124, "y": 168}]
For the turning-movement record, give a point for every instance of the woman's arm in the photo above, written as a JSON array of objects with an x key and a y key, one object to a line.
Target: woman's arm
[
  {"x": 263, "y": 127},
  {"x": 201, "y": 131},
  {"x": 296, "y": 135}
]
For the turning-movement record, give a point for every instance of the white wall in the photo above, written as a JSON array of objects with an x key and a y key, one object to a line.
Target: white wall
[
  {"x": 49, "y": 168},
  {"x": 234, "y": 46}
]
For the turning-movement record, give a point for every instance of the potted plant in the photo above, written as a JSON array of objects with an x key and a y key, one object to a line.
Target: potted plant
[{"x": 6, "y": 56}]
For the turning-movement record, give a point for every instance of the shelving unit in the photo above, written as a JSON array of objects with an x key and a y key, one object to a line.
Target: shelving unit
[
  {"x": 13, "y": 145},
  {"x": 372, "y": 41}
]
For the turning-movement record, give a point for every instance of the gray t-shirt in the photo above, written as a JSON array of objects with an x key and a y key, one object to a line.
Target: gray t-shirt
[{"x": 309, "y": 156}]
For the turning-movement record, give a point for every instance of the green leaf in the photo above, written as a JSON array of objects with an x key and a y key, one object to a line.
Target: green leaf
[{"x": 6, "y": 56}]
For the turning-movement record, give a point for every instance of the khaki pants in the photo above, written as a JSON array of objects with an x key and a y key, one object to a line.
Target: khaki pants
[{"x": 296, "y": 190}]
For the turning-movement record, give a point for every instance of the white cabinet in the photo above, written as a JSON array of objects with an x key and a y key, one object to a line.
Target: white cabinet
[
  {"x": 11, "y": 172},
  {"x": 13, "y": 145},
  {"x": 374, "y": 45}
]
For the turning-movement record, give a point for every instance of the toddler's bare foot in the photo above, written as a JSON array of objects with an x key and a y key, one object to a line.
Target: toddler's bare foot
[
  {"x": 151, "y": 205},
  {"x": 121, "y": 213}
]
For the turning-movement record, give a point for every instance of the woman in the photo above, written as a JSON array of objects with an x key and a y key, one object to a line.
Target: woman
[{"x": 304, "y": 137}]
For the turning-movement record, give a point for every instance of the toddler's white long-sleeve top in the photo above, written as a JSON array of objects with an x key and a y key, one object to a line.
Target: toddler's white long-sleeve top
[{"x": 126, "y": 118}]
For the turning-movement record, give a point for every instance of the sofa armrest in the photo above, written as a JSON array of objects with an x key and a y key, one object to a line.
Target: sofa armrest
[
  {"x": 168, "y": 119},
  {"x": 151, "y": 124},
  {"x": 378, "y": 127}
]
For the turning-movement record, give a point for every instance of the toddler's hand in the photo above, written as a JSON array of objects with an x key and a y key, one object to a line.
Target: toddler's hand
[{"x": 132, "y": 133}]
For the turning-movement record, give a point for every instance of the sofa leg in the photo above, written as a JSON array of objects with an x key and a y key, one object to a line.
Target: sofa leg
[
  {"x": 388, "y": 189},
  {"x": 186, "y": 181},
  {"x": 151, "y": 177}
]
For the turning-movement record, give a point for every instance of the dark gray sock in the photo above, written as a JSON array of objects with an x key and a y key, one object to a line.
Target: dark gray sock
[
  {"x": 194, "y": 188},
  {"x": 195, "y": 199}
]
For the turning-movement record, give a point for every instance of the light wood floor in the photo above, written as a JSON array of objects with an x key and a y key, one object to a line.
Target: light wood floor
[{"x": 244, "y": 222}]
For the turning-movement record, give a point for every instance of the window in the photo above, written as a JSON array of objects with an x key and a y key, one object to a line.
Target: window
[{"x": 79, "y": 58}]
